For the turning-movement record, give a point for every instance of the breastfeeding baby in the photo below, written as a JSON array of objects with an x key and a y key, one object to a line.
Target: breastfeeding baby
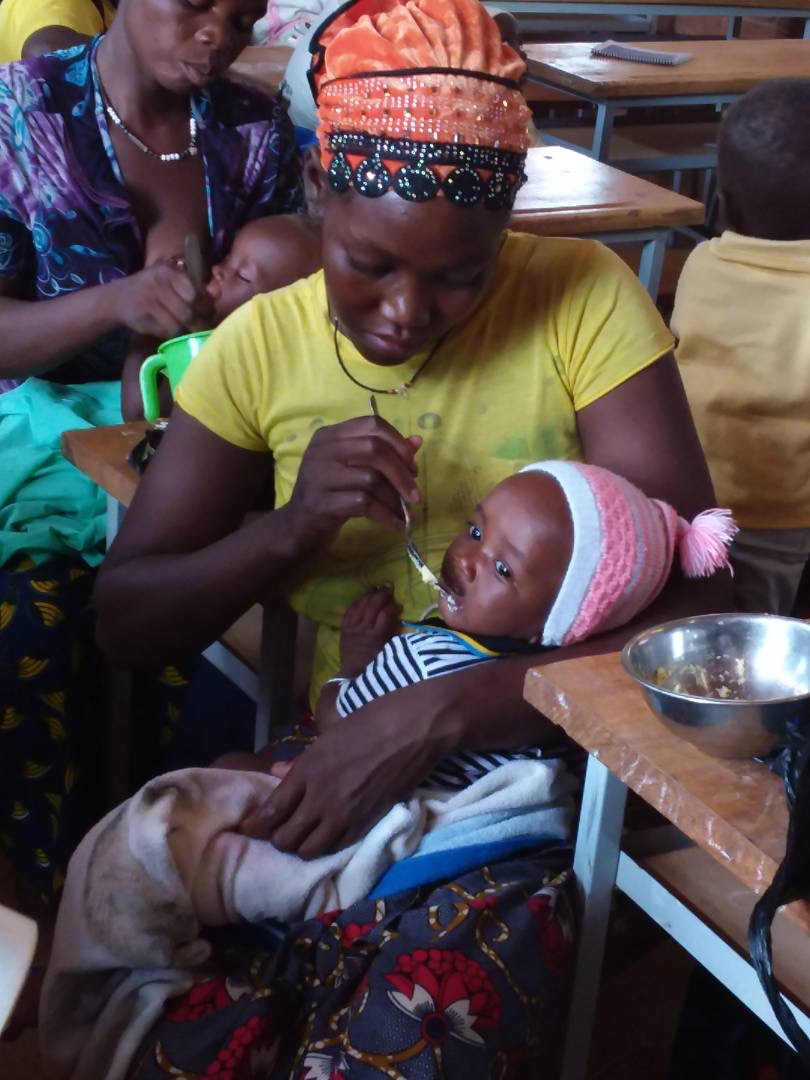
[
  {"x": 553, "y": 555},
  {"x": 266, "y": 254}
]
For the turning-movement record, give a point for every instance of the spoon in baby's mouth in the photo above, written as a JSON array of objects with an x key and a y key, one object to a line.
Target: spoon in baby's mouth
[{"x": 425, "y": 573}]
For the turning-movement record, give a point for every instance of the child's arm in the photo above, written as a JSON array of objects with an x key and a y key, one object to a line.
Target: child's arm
[{"x": 367, "y": 625}]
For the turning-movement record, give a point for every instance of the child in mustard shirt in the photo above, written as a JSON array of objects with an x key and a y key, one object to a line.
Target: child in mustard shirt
[{"x": 743, "y": 323}]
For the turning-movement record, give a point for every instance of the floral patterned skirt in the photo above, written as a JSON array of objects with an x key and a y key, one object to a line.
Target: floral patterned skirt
[{"x": 466, "y": 979}]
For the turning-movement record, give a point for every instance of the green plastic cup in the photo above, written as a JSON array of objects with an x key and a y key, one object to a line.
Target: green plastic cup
[{"x": 171, "y": 360}]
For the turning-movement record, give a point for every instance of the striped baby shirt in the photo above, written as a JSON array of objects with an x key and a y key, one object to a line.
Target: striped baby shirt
[{"x": 426, "y": 653}]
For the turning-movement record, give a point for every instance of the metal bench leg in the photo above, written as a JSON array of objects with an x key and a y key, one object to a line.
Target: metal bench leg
[
  {"x": 117, "y": 700},
  {"x": 651, "y": 263},
  {"x": 595, "y": 861},
  {"x": 115, "y": 516},
  {"x": 602, "y": 132},
  {"x": 277, "y": 672}
]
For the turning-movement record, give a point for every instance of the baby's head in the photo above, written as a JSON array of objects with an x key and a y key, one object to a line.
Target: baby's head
[
  {"x": 246, "y": 270},
  {"x": 763, "y": 160},
  {"x": 266, "y": 254},
  {"x": 562, "y": 551}
]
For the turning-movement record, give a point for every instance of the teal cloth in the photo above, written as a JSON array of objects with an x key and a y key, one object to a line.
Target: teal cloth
[{"x": 48, "y": 507}]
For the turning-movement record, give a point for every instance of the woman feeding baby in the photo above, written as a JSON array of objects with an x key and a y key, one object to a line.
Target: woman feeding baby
[
  {"x": 486, "y": 351},
  {"x": 554, "y": 554}
]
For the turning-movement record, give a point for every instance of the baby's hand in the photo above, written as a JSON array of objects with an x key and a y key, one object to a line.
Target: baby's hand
[{"x": 367, "y": 625}]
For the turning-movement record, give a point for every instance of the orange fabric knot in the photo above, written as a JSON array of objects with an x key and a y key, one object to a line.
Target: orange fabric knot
[{"x": 373, "y": 74}]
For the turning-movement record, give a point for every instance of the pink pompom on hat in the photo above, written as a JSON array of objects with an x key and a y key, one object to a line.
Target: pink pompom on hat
[{"x": 624, "y": 546}]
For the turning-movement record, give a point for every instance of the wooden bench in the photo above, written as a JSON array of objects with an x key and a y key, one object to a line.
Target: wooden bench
[
  {"x": 101, "y": 453},
  {"x": 707, "y": 889},
  {"x": 645, "y": 148}
]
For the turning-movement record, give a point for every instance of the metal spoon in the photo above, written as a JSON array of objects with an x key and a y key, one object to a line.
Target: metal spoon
[
  {"x": 193, "y": 258},
  {"x": 425, "y": 573}
]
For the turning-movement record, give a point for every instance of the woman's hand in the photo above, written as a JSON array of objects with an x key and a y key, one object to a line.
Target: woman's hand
[
  {"x": 161, "y": 301},
  {"x": 360, "y": 468},
  {"x": 352, "y": 774},
  {"x": 344, "y": 782}
]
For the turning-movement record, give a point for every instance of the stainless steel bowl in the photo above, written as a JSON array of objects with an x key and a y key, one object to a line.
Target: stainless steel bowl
[{"x": 730, "y": 684}]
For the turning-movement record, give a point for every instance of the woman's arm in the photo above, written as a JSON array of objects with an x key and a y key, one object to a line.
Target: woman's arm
[
  {"x": 182, "y": 570},
  {"x": 351, "y": 775},
  {"x": 160, "y": 301}
]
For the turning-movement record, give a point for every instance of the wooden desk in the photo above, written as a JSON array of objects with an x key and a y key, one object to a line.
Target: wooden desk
[
  {"x": 733, "y": 811},
  {"x": 101, "y": 453},
  {"x": 719, "y": 72},
  {"x": 732, "y": 10},
  {"x": 569, "y": 194}
]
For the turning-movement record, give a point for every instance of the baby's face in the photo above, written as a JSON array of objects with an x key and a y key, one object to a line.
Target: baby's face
[
  {"x": 243, "y": 272},
  {"x": 505, "y": 569}
]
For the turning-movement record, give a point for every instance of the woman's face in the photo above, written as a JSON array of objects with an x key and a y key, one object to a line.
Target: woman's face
[
  {"x": 186, "y": 44},
  {"x": 399, "y": 275}
]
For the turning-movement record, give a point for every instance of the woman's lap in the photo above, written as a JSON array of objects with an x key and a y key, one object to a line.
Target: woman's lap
[{"x": 464, "y": 979}]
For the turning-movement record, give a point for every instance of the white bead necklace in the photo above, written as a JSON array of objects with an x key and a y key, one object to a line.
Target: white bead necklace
[{"x": 190, "y": 150}]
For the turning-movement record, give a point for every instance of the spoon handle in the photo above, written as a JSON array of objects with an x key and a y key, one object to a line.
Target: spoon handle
[{"x": 195, "y": 265}]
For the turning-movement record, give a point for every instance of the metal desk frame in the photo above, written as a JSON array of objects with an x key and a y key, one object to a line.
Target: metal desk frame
[
  {"x": 605, "y": 116},
  {"x": 732, "y": 12},
  {"x": 599, "y": 865},
  {"x": 653, "y": 248}
]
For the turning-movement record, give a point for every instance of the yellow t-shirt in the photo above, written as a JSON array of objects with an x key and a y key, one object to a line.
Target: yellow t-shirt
[
  {"x": 741, "y": 317},
  {"x": 19, "y": 19},
  {"x": 564, "y": 322}
]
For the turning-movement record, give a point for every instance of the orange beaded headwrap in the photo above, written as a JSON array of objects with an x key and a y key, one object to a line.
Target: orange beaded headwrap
[{"x": 420, "y": 97}]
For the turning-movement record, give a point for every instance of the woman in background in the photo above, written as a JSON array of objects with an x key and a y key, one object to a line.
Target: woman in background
[{"x": 110, "y": 154}]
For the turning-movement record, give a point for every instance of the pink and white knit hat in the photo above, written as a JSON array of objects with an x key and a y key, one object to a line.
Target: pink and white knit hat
[{"x": 624, "y": 545}]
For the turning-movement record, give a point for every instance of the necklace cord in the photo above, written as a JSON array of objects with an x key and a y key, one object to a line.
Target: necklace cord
[
  {"x": 190, "y": 150},
  {"x": 400, "y": 390}
]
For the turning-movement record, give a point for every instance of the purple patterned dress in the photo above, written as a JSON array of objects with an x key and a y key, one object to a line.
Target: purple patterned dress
[{"x": 66, "y": 218}]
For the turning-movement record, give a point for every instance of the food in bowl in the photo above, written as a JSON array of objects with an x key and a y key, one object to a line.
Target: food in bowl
[
  {"x": 722, "y": 678},
  {"x": 732, "y": 684}
]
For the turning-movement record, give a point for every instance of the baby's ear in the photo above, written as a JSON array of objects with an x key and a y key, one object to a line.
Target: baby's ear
[{"x": 315, "y": 181}]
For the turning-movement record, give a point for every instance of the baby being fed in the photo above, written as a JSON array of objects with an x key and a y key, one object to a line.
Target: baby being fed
[{"x": 553, "y": 555}]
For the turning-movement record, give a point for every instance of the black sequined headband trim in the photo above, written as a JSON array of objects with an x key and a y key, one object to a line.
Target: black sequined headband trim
[{"x": 416, "y": 181}]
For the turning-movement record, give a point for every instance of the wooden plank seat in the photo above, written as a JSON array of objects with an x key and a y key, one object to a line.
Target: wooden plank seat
[
  {"x": 101, "y": 453},
  {"x": 706, "y": 888}
]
